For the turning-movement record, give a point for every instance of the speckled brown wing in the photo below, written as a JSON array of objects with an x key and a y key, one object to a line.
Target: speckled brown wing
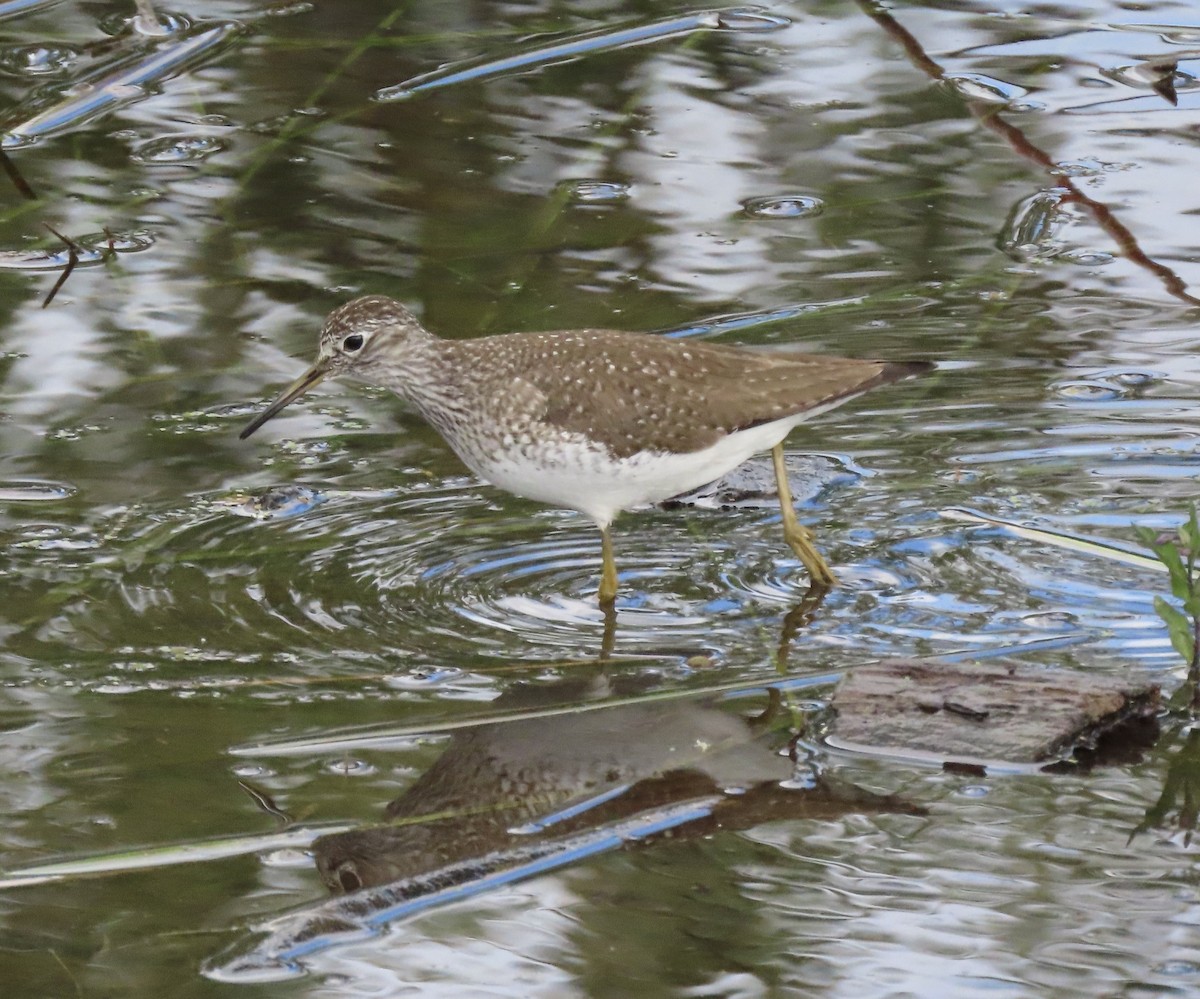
[{"x": 641, "y": 392}]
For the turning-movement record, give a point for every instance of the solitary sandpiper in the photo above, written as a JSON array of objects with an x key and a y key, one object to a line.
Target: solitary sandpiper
[{"x": 595, "y": 420}]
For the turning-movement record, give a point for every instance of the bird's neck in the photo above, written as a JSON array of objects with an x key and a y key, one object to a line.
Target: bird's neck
[{"x": 426, "y": 372}]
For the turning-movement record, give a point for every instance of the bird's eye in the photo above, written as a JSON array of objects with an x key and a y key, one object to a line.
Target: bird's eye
[{"x": 352, "y": 343}]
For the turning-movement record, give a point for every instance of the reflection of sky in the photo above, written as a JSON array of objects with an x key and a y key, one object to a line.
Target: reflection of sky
[
  {"x": 807, "y": 113},
  {"x": 60, "y": 360}
]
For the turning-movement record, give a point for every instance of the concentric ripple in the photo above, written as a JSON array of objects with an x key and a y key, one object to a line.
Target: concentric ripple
[
  {"x": 539, "y": 588},
  {"x": 428, "y": 575},
  {"x": 305, "y": 578}
]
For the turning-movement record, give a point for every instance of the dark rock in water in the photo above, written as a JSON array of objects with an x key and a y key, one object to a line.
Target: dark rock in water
[
  {"x": 977, "y": 713},
  {"x": 752, "y": 484}
]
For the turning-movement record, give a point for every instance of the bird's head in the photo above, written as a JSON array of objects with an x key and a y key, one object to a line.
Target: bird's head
[{"x": 367, "y": 337}]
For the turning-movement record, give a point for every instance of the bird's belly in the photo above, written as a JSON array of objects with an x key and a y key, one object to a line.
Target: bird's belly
[{"x": 582, "y": 476}]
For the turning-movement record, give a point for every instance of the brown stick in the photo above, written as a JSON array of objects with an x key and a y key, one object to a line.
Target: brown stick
[
  {"x": 72, "y": 261},
  {"x": 986, "y": 115}
]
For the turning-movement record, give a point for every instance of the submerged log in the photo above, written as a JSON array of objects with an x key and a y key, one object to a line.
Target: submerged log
[{"x": 981, "y": 713}]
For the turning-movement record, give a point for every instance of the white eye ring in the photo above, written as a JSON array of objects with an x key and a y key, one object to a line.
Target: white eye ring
[{"x": 353, "y": 343}]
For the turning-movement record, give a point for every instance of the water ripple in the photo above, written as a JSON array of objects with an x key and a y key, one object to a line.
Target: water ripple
[
  {"x": 333, "y": 575},
  {"x": 783, "y": 206},
  {"x": 583, "y": 44},
  {"x": 37, "y": 492},
  {"x": 115, "y": 85}
]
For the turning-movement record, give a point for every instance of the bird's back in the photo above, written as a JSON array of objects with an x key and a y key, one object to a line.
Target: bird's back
[{"x": 635, "y": 392}]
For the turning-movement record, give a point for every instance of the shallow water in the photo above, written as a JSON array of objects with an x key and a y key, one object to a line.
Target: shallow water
[{"x": 310, "y": 612}]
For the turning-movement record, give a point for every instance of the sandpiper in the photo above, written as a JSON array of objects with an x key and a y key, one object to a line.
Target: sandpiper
[{"x": 597, "y": 421}]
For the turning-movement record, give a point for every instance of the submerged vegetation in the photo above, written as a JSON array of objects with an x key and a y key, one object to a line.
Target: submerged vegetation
[
  {"x": 1178, "y": 554},
  {"x": 1178, "y": 803}
]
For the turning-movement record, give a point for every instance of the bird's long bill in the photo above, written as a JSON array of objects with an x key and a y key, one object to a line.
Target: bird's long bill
[{"x": 289, "y": 395}]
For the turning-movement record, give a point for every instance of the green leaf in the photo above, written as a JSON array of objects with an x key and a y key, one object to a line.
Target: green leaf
[
  {"x": 1179, "y": 627},
  {"x": 1189, "y": 531},
  {"x": 1168, "y": 554}
]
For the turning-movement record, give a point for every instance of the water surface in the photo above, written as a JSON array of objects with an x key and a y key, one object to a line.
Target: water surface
[{"x": 998, "y": 188}]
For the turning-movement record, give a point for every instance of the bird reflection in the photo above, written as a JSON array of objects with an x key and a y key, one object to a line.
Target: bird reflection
[
  {"x": 516, "y": 799},
  {"x": 502, "y": 787}
]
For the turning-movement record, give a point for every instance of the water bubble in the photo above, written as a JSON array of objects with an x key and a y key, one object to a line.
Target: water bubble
[
  {"x": 1132, "y": 379},
  {"x": 36, "y": 60},
  {"x": 788, "y": 206},
  {"x": 596, "y": 192},
  {"x": 974, "y": 791},
  {"x": 1087, "y": 390},
  {"x": 179, "y": 149},
  {"x": 348, "y": 767},
  {"x": 1087, "y": 258},
  {"x": 1080, "y": 168},
  {"x": 252, "y": 771},
  {"x": 977, "y": 87},
  {"x": 37, "y": 492},
  {"x": 157, "y": 27}
]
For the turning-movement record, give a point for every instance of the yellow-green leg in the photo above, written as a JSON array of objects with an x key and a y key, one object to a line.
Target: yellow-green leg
[
  {"x": 608, "y": 574},
  {"x": 798, "y": 537}
]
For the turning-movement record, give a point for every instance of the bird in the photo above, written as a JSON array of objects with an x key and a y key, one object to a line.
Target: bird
[{"x": 595, "y": 420}]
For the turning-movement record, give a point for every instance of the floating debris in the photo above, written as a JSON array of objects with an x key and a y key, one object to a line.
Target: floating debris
[{"x": 987, "y": 714}]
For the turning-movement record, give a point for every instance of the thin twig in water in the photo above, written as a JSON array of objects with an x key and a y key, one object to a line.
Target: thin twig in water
[
  {"x": 19, "y": 182},
  {"x": 72, "y": 260},
  {"x": 1126, "y": 241}
]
